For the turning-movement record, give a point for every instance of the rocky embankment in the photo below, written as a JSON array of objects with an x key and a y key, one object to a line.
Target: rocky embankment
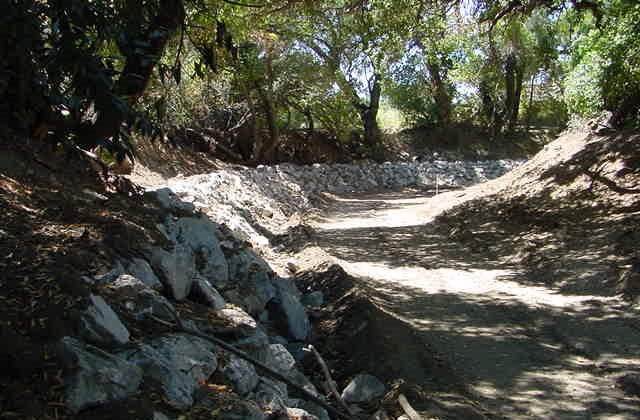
[
  {"x": 254, "y": 203},
  {"x": 206, "y": 280},
  {"x": 205, "y": 276}
]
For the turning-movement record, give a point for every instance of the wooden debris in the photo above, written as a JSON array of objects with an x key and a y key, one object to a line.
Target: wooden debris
[
  {"x": 330, "y": 382},
  {"x": 409, "y": 411}
]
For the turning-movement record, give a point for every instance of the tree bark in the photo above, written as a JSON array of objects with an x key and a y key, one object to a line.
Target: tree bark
[
  {"x": 265, "y": 153},
  {"x": 145, "y": 48},
  {"x": 529, "y": 107},
  {"x": 490, "y": 111},
  {"x": 441, "y": 97},
  {"x": 369, "y": 115},
  {"x": 514, "y": 77},
  {"x": 310, "y": 124}
]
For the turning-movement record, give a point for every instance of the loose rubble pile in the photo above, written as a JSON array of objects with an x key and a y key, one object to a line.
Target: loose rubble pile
[{"x": 248, "y": 200}]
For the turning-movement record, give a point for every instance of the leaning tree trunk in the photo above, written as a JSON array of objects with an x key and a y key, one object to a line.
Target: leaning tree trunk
[
  {"x": 145, "y": 48},
  {"x": 142, "y": 49}
]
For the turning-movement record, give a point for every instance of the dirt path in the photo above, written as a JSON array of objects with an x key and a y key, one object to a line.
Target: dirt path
[{"x": 523, "y": 349}]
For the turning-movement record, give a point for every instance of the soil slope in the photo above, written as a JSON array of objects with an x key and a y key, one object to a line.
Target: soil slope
[{"x": 513, "y": 283}]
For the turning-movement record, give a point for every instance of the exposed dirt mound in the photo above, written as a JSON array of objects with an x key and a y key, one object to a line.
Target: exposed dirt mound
[
  {"x": 349, "y": 323},
  {"x": 573, "y": 209},
  {"x": 466, "y": 141},
  {"x": 358, "y": 336}
]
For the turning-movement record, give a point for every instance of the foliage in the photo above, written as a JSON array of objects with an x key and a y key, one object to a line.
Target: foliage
[
  {"x": 583, "y": 90},
  {"x": 88, "y": 72}
]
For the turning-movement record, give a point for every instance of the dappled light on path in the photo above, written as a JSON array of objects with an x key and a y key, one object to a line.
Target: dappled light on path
[
  {"x": 524, "y": 348},
  {"x": 491, "y": 284}
]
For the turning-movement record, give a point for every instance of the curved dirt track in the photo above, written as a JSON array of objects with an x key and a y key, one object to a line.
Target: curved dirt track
[{"x": 525, "y": 350}]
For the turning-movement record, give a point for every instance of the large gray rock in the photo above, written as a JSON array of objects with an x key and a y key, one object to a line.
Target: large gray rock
[
  {"x": 176, "y": 269},
  {"x": 140, "y": 299},
  {"x": 94, "y": 377},
  {"x": 110, "y": 275},
  {"x": 201, "y": 235},
  {"x": 309, "y": 407},
  {"x": 234, "y": 325},
  {"x": 242, "y": 410},
  {"x": 253, "y": 281},
  {"x": 240, "y": 373},
  {"x": 363, "y": 388},
  {"x": 169, "y": 200},
  {"x": 141, "y": 270},
  {"x": 236, "y": 319},
  {"x": 313, "y": 299},
  {"x": 289, "y": 309},
  {"x": 299, "y": 414},
  {"x": 272, "y": 395},
  {"x": 100, "y": 325},
  {"x": 277, "y": 357},
  {"x": 630, "y": 383},
  {"x": 254, "y": 342},
  {"x": 203, "y": 290},
  {"x": 177, "y": 362}
]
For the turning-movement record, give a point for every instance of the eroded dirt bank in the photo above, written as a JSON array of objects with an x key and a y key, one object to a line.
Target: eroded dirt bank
[{"x": 514, "y": 283}]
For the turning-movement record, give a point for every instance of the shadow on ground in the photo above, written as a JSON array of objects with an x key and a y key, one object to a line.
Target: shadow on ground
[{"x": 518, "y": 297}]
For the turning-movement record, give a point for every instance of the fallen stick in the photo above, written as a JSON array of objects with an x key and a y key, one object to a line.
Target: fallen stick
[
  {"x": 330, "y": 383},
  {"x": 409, "y": 411},
  {"x": 266, "y": 369}
]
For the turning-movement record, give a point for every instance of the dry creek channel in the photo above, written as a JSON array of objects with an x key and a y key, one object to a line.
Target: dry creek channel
[{"x": 523, "y": 351}]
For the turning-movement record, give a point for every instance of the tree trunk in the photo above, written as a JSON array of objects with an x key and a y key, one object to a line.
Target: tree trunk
[
  {"x": 310, "y": 124},
  {"x": 441, "y": 97},
  {"x": 145, "y": 48},
  {"x": 529, "y": 107},
  {"x": 518, "y": 96},
  {"x": 247, "y": 136},
  {"x": 490, "y": 112},
  {"x": 514, "y": 77},
  {"x": 265, "y": 153},
  {"x": 369, "y": 116}
]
